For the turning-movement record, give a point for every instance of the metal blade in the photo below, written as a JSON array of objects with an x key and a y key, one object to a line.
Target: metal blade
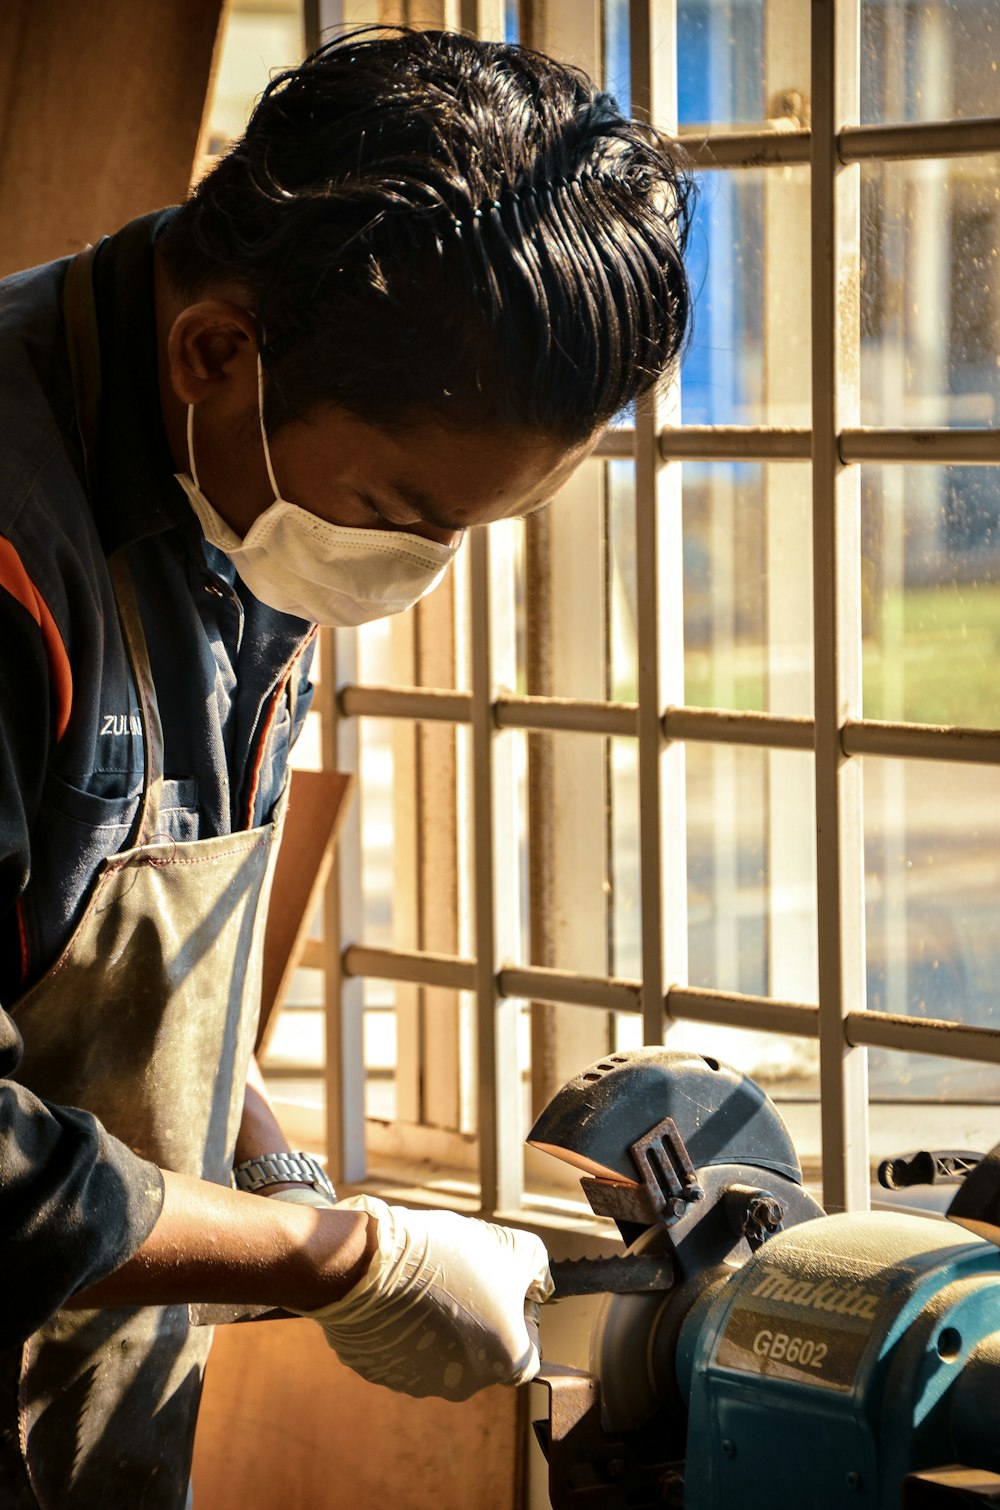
[
  {"x": 624, "y": 1274},
  {"x": 619, "y": 1275},
  {"x": 222, "y": 1313}
]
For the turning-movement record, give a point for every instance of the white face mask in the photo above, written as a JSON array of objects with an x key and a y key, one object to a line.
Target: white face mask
[{"x": 326, "y": 573}]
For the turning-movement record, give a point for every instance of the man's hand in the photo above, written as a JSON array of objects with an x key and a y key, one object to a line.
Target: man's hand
[
  {"x": 448, "y": 1305},
  {"x": 429, "y": 1303}
]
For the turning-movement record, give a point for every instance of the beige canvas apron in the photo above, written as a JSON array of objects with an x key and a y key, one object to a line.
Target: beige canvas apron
[{"x": 148, "y": 1020}]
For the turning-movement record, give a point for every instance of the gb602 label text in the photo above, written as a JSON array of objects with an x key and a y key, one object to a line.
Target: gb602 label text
[{"x": 803, "y": 1352}]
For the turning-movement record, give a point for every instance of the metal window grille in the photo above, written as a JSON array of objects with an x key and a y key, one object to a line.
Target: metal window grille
[{"x": 656, "y": 723}]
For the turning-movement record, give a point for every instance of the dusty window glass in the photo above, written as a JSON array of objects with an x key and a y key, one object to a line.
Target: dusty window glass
[
  {"x": 748, "y": 599},
  {"x": 727, "y": 868},
  {"x": 751, "y": 898},
  {"x": 748, "y": 362},
  {"x": 740, "y": 62},
  {"x": 932, "y": 853},
  {"x": 724, "y": 590},
  {"x": 923, "y": 61},
  {"x": 931, "y": 594},
  {"x": 930, "y": 292},
  {"x": 926, "y": 1101},
  {"x": 750, "y": 864},
  {"x": 748, "y": 618},
  {"x": 722, "y": 78},
  {"x": 751, "y": 871}
]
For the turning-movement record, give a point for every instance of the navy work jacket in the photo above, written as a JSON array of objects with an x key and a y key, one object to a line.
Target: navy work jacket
[{"x": 74, "y": 1202}]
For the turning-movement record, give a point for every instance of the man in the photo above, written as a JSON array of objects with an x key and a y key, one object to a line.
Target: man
[{"x": 401, "y": 307}]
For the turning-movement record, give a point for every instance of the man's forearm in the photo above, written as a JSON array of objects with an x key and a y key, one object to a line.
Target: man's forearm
[
  {"x": 260, "y": 1131},
  {"x": 215, "y": 1244},
  {"x": 211, "y": 1243}
]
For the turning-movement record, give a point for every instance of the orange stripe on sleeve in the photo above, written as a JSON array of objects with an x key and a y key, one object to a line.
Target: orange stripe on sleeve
[
  {"x": 22, "y": 936},
  {"x": 15, "y": 580},
  {"x": 262, "y": 746}
]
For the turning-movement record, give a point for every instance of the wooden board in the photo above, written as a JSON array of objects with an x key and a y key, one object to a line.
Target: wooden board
[
  {"x": 101, "y": 105},
  {"x": 316, "y": 805},
  {"x": 284, "y": 1426}
]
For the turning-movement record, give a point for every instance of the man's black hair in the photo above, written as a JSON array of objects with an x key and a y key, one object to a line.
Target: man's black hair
[{"x": 423, "y": 222}]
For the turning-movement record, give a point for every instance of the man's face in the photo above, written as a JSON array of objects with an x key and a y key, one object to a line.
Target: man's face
[
  {"x": 424, "y": 477},
  {"x": 428, "y": 479}
]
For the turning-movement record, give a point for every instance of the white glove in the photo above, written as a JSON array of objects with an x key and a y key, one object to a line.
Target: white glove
[{"x": 448, "y": 1305}]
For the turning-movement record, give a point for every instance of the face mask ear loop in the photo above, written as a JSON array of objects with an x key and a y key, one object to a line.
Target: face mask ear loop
[
  {"x": 263, "y": 432},
  {"x": 190, "y": 439}
]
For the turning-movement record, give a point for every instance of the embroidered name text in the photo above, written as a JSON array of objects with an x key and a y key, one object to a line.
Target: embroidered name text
[{"x": 121, "y": 723}]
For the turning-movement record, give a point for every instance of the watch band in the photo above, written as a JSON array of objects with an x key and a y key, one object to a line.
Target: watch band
[{"x": 267, "y": 1169}]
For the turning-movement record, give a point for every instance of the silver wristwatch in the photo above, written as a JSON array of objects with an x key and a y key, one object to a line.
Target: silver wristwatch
[{"x": 254, "y": 1175}]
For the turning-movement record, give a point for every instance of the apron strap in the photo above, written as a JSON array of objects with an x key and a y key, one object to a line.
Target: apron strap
[
  {"x": 83, "y": 348},
  {"x": 147, "y": 820}
]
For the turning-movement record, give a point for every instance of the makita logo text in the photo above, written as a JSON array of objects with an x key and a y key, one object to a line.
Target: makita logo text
[
  {"x": 121, "y": 723},
  {"x": 845, "y": 1300}
]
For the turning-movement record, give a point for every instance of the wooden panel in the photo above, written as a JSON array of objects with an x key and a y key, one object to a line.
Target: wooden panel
[
  {"x": 316, "y": 806},
  {"x": 284, "y": 1426},
  {"x": 100, "y": 111}
]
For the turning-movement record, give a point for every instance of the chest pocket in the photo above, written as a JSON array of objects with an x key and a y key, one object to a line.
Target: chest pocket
[{"x": 77, "y": 813}]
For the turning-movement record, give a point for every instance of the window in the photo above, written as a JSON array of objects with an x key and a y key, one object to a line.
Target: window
[{"x": 711, "y": 748}]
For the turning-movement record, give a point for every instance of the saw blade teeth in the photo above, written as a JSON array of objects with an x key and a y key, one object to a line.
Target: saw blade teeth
[{"x": 624, "y": 1273}]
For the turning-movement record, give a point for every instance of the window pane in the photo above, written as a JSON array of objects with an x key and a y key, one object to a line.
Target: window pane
[
  {"x": 924, "y": 1101},
  {"x": 931, "y": 594},
  {"x": 725, "y": 593},
  {"x": 932, "y": 859},
  {"x": 380, "y": 1050},
  {"x": 625, "y": 916},
  {"x": 747, "y": 587},
  {"x": 727, "y": 868},
  {"x": 623, "y": 670},
  {"x": 566, "y": 873},
  {"x": 721, "y": 42},
  {"x": 930, "y": 292},
  {"x": 378, "y": 832},
  {"x": 929, "y": 61},
  {"x": 752, "y": 873},
  {"x": 743, "y": 61},
  {"x": 748, "y": 362}
]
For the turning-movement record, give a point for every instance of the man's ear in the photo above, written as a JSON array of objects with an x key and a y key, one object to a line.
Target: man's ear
[{"x": 212, "y": 353}]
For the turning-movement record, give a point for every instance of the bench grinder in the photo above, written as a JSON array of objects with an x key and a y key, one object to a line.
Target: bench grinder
[{"x": 751, "y": 1351}]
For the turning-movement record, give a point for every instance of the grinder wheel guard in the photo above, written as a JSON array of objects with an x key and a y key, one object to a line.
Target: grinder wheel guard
[
  {"x": 735, "y": 1140},
  {"x": 751, "y": 1350}
]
